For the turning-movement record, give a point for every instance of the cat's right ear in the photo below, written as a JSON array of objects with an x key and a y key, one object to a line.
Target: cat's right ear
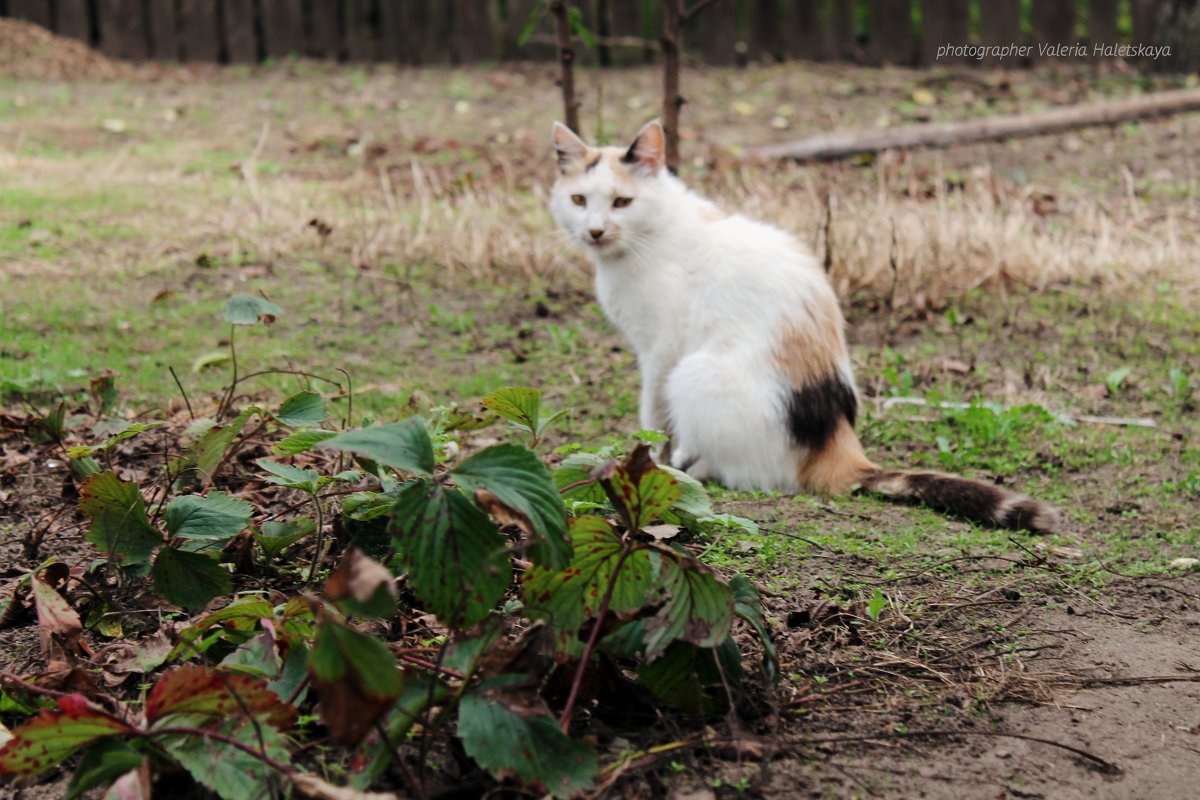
[{"x": 570, "y": 148}]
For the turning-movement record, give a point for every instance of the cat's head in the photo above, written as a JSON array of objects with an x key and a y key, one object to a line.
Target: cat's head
[{"x": 608, "y": 199}]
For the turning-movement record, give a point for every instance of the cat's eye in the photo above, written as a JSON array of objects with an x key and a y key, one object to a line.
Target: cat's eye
[
  {"x": 579, "y": 200},
  {"x": 621, "y": 202}
]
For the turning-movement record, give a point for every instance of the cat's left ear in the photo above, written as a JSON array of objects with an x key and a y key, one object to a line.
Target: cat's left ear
[
  {"x": 570, "y": 148},
  {"x": 649, "y": 149}
]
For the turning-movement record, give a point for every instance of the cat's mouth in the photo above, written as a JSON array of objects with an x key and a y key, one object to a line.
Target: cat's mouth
[{"x": 599, "y": 244}]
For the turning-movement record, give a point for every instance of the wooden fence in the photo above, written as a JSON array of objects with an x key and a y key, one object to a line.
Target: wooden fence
[{"x": 906, "y": 32}]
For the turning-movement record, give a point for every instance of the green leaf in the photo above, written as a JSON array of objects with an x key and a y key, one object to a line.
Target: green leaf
[
  {"x": 243, "y": 309},
  {"x": 279, "y": 536},
  {"x": 306, "y": 480},
  {"x": 209, "y": 451},
  {"x": 231, "y": 773},
  {"x": 570, "y": 597},
  {"x": 194, "y": 689},
  {"x": 50, "y": 737},
  {"x": 420, "y": 693},
  {"x": 876, "y": 605},
  {"x": 521, "y": 482},
  {"x": 575, "y": 20},
  {"x": 403, "y": 445},
  {"x": 119, "y": 529},
  {"x": 747, "y": 605},
  {"x": 215, "y": 516},
  {"x": 577, "y": 468},
  {"x": 536, "y": 12},
  {"x": 645, "y": 490},
  {"x": 301, "y": 441},
  {"x": 456, "y": 558},
  {"x": 694, "y": 679},
  {"x": 130, "y": 431},
  {"x": 698, "y": 608},
  {"x": 103, "y": 763},
  {"x": 303, "y": 408},
  {"x": 356, "y": 679},
  {"x": 693, "y": 502},
  {"x": 520, "y": 405},
  {"x": 238, "y": 620},
  {"x": 189, "y": 580},
  {"x": 532, "y": 747},
  {"x": 211, "y": 359}
]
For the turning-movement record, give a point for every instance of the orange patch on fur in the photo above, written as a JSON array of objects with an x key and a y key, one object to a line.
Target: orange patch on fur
[
  {"x": 809, "y": 351},
  {"x": 837, "y": 465}
]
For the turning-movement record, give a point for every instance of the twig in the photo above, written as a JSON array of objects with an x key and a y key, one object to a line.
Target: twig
[
  {"x": 183, "y": 392},
  {"x": 566, "y": 62},
  {"x": 1103, "y": 765}
]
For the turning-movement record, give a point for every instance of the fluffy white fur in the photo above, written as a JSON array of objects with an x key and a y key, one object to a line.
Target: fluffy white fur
[{"x": 703, "y": 298}]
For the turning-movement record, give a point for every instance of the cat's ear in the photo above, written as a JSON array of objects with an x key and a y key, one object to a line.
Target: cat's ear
[
  {"x": 649, "y": 149},
  {"x": 570, "y": 148}
]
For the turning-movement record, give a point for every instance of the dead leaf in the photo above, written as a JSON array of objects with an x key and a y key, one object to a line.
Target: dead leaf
[
  {"x": 119, "y": 660},
  {"x": 954, "y": 365},
  {"x": 59, "y": 626},
  {"x": 359, "y": 576},
  {"x": 661, "y": 532}
]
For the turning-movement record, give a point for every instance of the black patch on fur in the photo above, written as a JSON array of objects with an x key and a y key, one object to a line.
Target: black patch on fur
[
  {"x": 630, "y": 156},
  {"x": 815, "y": 411}
]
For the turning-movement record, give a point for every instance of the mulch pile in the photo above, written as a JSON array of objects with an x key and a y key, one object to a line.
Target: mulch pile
[{"x": 28, "y": 52}]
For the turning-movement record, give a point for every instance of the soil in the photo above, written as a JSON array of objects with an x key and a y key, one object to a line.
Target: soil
[{"x": 29, "y": 51}]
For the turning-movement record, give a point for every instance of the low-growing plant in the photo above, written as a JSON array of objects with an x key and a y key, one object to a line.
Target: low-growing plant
[{"x": 539, "y": 586}]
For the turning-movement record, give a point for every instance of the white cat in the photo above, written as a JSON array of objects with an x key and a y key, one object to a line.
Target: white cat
[{"x": 738, "y": 335}]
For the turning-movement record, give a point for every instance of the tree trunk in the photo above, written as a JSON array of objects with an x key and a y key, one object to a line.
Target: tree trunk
[
  {"x": 672, "y": 101},
  {"x": 566, "y": 61},
  {"x": 840, "y": 145}
]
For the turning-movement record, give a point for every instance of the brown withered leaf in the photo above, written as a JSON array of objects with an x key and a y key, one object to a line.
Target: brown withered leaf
[
  {"x": 119, "y": 660},
  {"x": 359, "y": 577},
  {"x": 59, "y": 627}
]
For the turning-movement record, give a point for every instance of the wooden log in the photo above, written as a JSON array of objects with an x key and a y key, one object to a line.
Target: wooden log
[
  {"x": 324, "y": 39},
  {"x": 890, "y": 39},
  {"x": 122, "y": 29},
  {"x": 282, "y": 28},
  {"x": 73, "y": 20},
  {"x": 241, "y": 41},
  {"x": 1009, "y": 126},
  {"x": 199, "y": 30},
  {"x": 35, "y": 11},
  {"x": 943, "y": 22}
]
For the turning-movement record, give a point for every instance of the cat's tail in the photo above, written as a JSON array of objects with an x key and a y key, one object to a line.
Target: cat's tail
[{"x": 976, "y": 500}]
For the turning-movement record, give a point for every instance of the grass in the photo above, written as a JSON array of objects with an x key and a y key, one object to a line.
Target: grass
[{"x": 407, "y": 241}]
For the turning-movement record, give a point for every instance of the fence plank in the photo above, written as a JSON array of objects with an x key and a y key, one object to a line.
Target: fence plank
[
  {"x": 282, "y": 28},
  {"x": 35, "y": 11},
  {"x": 122, "y": 29},
  {"x": 366, "y": 44},
  {"x": 716, "y": 37},
  {"x": 324, "y": 36},
  {"x": 767, "y": 40},
  {"x": 1053, "y": 22},
  {"x": 943, "y": 22},
  {"x": 475, "y": 35},
  {"x": 518, "y": 14},
  {"x": 999, "y": 25},
  {"x": 842, "y": 42},
  {"x": 625, "y": 20},
  {"x": 805, "y": 37},
  {"x": 241, "y": 42},
  {"x": 164, "y": 32},
  {"x": 1102, "y": 21},
  {"x": 199, "y": 30},
  {"x": 73, "y": 20},
  {"x": 890, "y": 38},
  {"x": 1145, "y": 20}
]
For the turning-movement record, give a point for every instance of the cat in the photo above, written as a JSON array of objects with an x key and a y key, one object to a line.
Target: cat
[{"x": 739, "y": 338}]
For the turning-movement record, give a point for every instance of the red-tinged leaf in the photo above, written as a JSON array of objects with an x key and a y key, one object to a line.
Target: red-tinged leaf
[
  {"x": 52, "y": 736},
  {"x": 55, "y": 617},
  {"x": 195, "y": 689}
]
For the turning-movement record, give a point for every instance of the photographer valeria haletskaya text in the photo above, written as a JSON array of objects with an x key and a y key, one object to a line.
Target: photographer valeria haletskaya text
[{"x": 1053, "y": 50}]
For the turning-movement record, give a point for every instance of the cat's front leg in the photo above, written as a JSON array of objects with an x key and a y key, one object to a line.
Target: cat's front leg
[{"x": 653, "y": 414}]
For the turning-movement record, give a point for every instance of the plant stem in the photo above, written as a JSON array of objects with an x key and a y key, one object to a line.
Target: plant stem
[
  {"x": 183, "y": 392},
  {"x": 564, "y": 721},
  {"x": 566, "y": 61},
  {"x": 312, "y": 570},
  {"x": 227, "y": 400}
]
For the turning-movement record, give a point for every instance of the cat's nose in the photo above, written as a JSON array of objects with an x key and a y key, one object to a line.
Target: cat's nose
[{"x": 596, "y": 233}]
